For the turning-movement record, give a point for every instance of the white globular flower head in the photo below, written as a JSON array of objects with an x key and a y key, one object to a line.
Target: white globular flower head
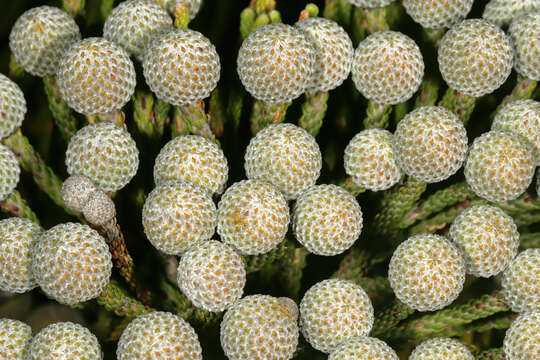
[
  {"x": 363, "y": 348},
  {"x": 105, "y": 153},
  {"x": 524, "y": 32},
  {"x": 195, "y": 159},
  {"x": 135, "y": 23},
  {"x": 9, "y": 172},
  {"x": 15, "y": 337},
  {"x": 499, "y": 166},
  {"x": 96, "y": 76},
  {"x": 487, "y": 237},
  {"x": 159, "y": 335},
  {"x": 333, "y": 53},
  {"x": 259, "y": 327},
  {"x": 388, "y": 67},
  {"x": 99, "y": 209},
  {"x": 286, "y": 156},
  {"x": 181, "y": 67},
  {"x": 71, "y": 263},
  {"x": 523, "y": 118},
  {"x": 276, "y": 63},
  {"x": 16, "y": 236},
  {"x": 13, "y": 106},
  {"x": 40, "y": 37},
  {"x": 475, "y": 57},
  {"x": 76, "y": 191},
  {"x": 522, "y": 338},
  {"x": 521, "y": 282},
  {"x": 64, "y": 341},
  {"x": 430, "y": 144},
  {"x": 437, "y": 14},
  {"x": 327, "y": 219},
  {"x": 441, "y": 349},
  {"x": 502, "y": 12},
  {"x": 370, "y": 4},
  {"x": 334, "y": 311},
  {"x": 178, "y": 215},
  {"x": 253, "y": 217},
  {"x": 212, "y": 275},
  {"x": 427, "y": 272}
]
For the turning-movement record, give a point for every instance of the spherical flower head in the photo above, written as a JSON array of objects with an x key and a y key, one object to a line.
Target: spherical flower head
[
  {"x": 430, "y": 144},
  {"x": 71, "y": 263},
  {"x": 159, "y": 335},
  {"x": 259, "y": 327},
  {"x": 16, "y": 236},
  {"x": 388, "y": 67},
  {"x": 500, "y": 166},
  {"x": 99, "y": 209},
  {"x": 195, "y": 159},
  {"x": 193, "y": 6},
  {"x": 176, "y": 216},
  {"x": 475, "y": 57},
  {"x": 523, "y": 118},
  {"x": 521, "y": 282},
  {"x": 487, "y": 237},
  {"x": 15, "y": 337},
  {"x": 96, "y": 76},
  {"x": 370, "y": 4},
  {"x": 522, "y": 338},
  {"x": 441, "y": 349},
  {"x": 335, "y": 311},
  {"x": 64, "y": 341},
  {"x": 427, "y": 272},
  {"x": 134, "y": 23},
  {"x": 9, "y": 172},
  {"x": 333, "y": 53},
  {"x": 501, "y": 12},
  {"x": 276, "y": 63},
  {"x": 40, "y": 37},
  {"x": 13, "y": 106},
  {"x": 327, "y": 220},
  {"x": 253, "y": 217},
  {"x": 76, "y": 191},
  {"x": 370, "y": 160},
  {"x": 524, "y": 32},
  {"x": 286, "y": 156},
  {"x": 437, "y": 14},
  {"x": 363, "y": 348},
  {"x": 181, "y": 67},
  {"x": 212, "y": 275},
  {"x": 105, "y": 153}
]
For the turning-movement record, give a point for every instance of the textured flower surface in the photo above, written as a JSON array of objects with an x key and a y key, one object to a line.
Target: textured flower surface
[
  {"x": 9, "y": 172},
  {"x": 181, "y": 67},
  {"x": 259, "y": 327},
  {"x": 333, "y": 53},
  {"x": 521, "y": 282},
  {"x": 427, "y": 272},
  {"x": 370, "y": 160},
  {"x": 430, "y": 144},
  {"x": 333, "y": 312},
  {"x": 76, "y": 191},
  {"x": 178, "y": 215},
  {"x": 12, "y": 105},
  {"x": 437, "y": 14},
  {"x": 522, "y": 338},
  {"x": 524, "y": 32},
  {"x": 105, "y": 153},
  {"x": 441, "y": 349},
  {"x": 40, "y": 37},
  {"x": 276, "y": 63},
  {"x": 475, "y": 57},
  {"x": 16, "y": 236},
  {"x": 71, "y": 263},
  {"x": 363, "y": 348},
  {"x": 501, "y": 12},
  {"x": 15, "y": 337},
  {"x": 370, "y": 4},
  {"x": 96, "y": 76},
  {"x": 286, "y": 156},
  {"x": 253, "y": 217},
  {"x": 159, "y": 335},
  {"x": 327, "y": 219},
  {"x": 192, "y": 158},
  {"x": 388, "y": 67},
  {"x": 499, "y": 166},
  {"x": 133, "y": 24}
]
